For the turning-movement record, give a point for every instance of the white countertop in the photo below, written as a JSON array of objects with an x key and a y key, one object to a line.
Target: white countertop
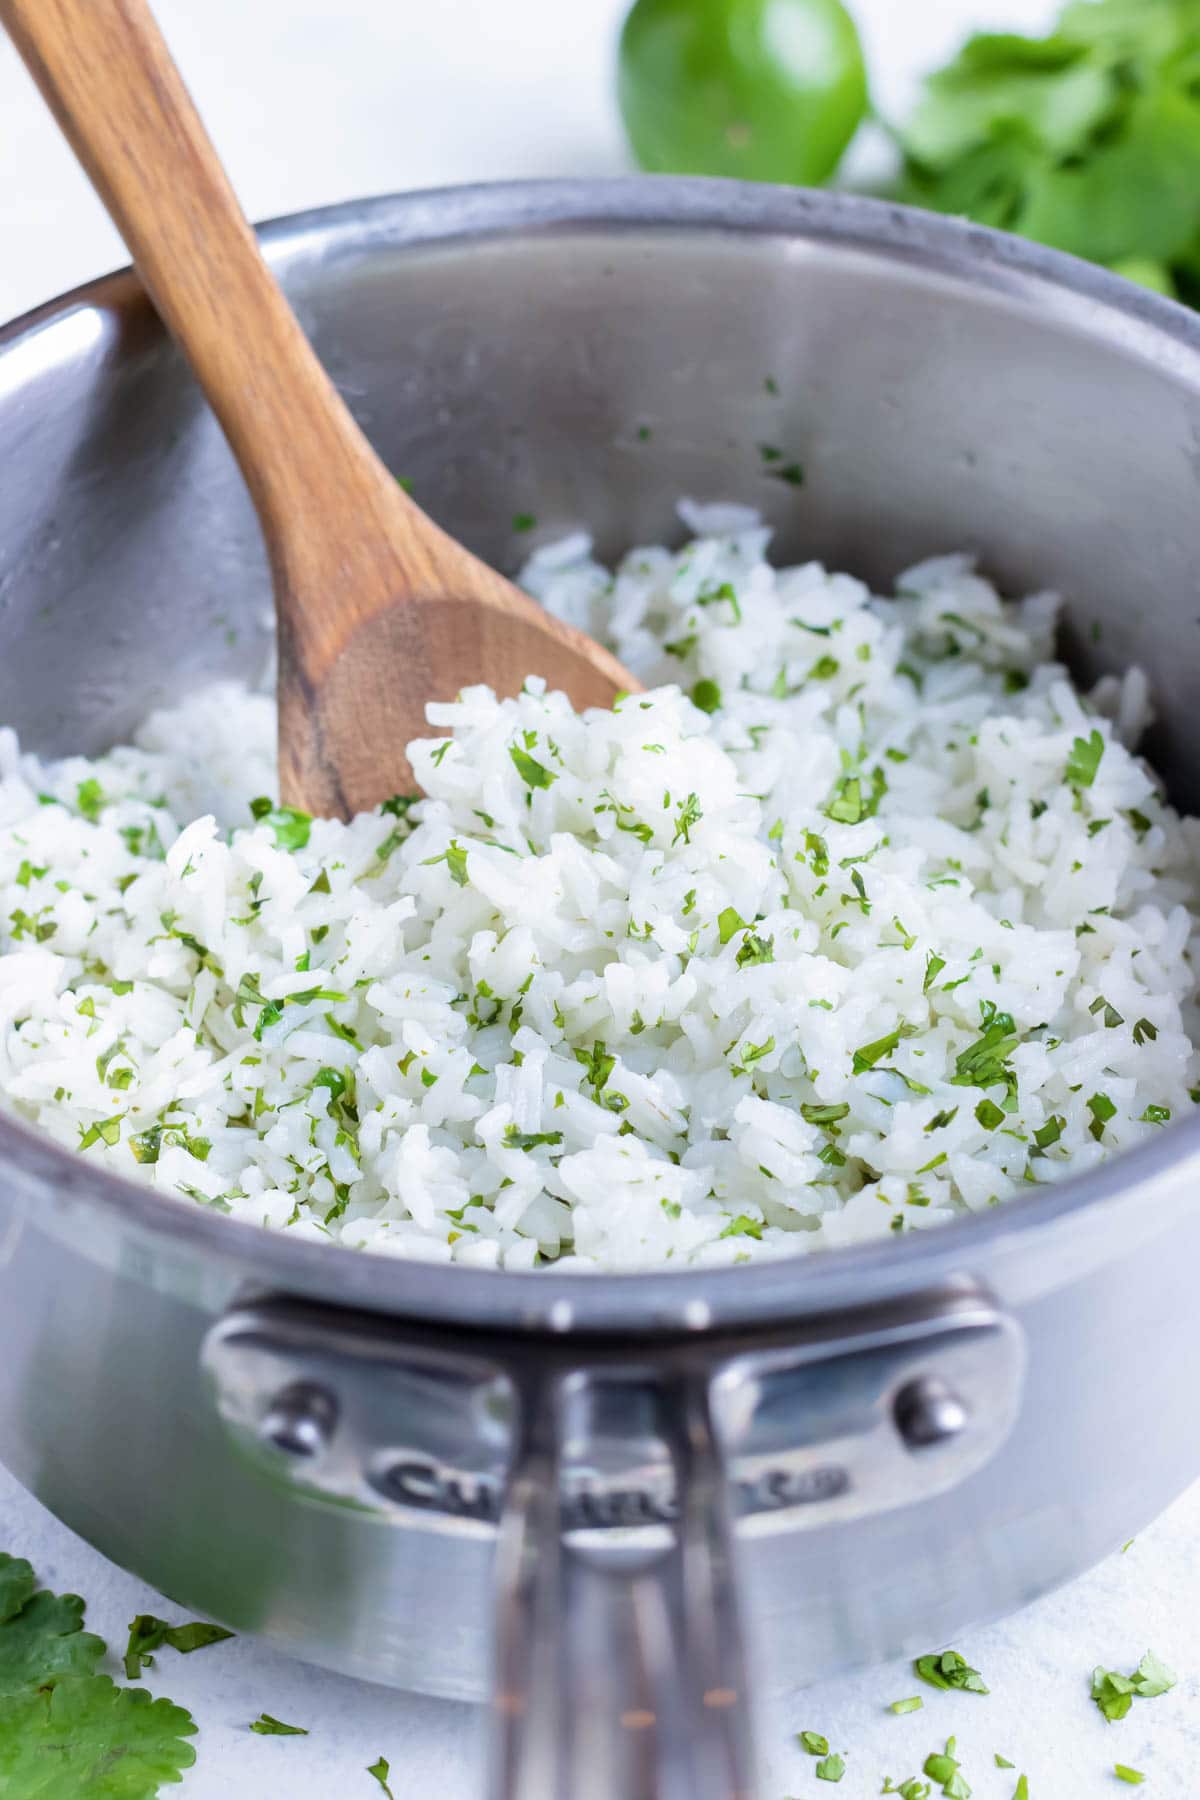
[{"x": 317, "y": 100}]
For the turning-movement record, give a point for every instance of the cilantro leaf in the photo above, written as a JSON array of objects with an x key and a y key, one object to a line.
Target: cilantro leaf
[
  {"x": 867, "y": 1055},
  {"x": 1084, "y": 760},
  {"x": 381, "y": 1770},
  {"x": 850, "y": 804},
  {"x": 16, "y": 1585},
  {"x": 743, "y": 1226},
  {"x": 42, "y": 1637},
  {"x": 147, "y": 1634},
  {"x": 91, "y": 799},
  {"x": 984, "y": 1063},
  {"x": 533, "y": 773},
  {"x": 754, "y": 949},
  {"x": 84, "y": 1735},
  {"x": 266, "y": 1726},
  {"x": 1114, "y": 1693},
  {"x": 1087, "y": 140},
  {"x": 824, "y": 1115},
  {"x": 292, "y": 828},
  {"x": 949, "y": 1670}
]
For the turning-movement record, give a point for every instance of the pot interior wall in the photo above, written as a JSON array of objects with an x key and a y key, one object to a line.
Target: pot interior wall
[{"x": 592, "y": 377}]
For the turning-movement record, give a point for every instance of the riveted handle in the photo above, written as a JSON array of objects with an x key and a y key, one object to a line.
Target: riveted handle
[
  {"x": 619, "y": 1680},
  {"x": 607, "y": 1471}
]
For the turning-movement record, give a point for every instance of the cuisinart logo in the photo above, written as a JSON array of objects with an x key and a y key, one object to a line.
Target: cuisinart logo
[{"x": 428, "y": 1486}]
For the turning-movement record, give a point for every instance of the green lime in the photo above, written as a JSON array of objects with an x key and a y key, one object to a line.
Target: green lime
[{"x": 769, "y": 90}]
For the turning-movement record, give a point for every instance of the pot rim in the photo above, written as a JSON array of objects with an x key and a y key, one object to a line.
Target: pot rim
[{"x": 1135, "y": 321}]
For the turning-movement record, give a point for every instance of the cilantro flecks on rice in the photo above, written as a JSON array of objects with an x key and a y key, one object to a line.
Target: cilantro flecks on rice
[{"x": 799, "y": 946}]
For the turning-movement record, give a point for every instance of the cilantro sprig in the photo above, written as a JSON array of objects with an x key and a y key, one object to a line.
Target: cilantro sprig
[
  {"x": 64, "y": 1728},
  {"x": 1087, "y": 140}
]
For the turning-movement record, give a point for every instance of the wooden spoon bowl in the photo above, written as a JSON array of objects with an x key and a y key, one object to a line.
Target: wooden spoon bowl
[{"x": 378, "y": 610}]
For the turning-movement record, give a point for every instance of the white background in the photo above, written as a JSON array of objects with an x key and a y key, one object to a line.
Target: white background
[{"x": 319, "y": 100}]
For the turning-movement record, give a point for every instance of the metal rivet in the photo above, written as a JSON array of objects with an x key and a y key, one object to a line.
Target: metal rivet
[
  {"x": 927, "y": 1412},
  {"x": 300, "y": 1420}
]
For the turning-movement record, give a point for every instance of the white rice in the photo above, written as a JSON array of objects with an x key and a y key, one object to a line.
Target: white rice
[{"x": 900, "y": 927}]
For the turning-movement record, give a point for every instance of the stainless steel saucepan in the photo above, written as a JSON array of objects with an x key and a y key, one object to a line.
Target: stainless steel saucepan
[{"x": 347, "y": 1454}]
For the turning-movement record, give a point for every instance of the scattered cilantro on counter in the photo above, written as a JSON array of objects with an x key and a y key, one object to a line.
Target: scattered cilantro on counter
[
  {"x": 380, "y": 1770},
  {"x": 266, "y": 1726},
  {"x": 147, "y": 1634},
  {"x": 949, "y": 1670},
  {"x": 1114, "y": 1693}
]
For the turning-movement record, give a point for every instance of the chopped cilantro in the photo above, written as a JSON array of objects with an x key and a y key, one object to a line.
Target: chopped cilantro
[
  {"x": 814, "y": 1743},
  {"x": 831, "y": 1114},
  {"x": 523, "y": 521},
  {"x": 1133, "y": 1777},
  {"x": 104, "y": 1131},
  {"x": 533, "y": 773},
  {"x": 1112, "y": 1017},
  {"x": 515, "y": 1139},
  {"x": 868, "y": 1055},
  {"x": 818, "y": 852},
  {"x": 1156, "y": 1115},
  {"x": 985, "y": 1063},
  {"x": 90, "y": 799},
  {"x": 707, "y": 696},
  {"x": 147, "y": 1634},
  {"x": 755, "y": 949},
  {"x": 291, "y": 827},
  {"x": 949, "y": 1670},
  {"x": 455, "y": 859},
  {"x": 743, "y": 1226},
  {"x": 934, "y": 965},
  {"x": 913, "y": 1704},
  {"x": 266, "y": 1726},
  {"x": 1084, "y": 760},
  {"x": 381, "y": 1770},
  {"x": 1050, "y": 1132},
  {"x": 850, "y": 805},
  {"x": 725, "y": 592},
  {"x": 1114, "y": 1694},
  {"x": 1144, "y": 1032},
  {"x": 989, "y": 1114},
  {"x": 729, "y": 923},
  {"x": 1102, "y": 1110},
  {"x": 689, "y": 814}
]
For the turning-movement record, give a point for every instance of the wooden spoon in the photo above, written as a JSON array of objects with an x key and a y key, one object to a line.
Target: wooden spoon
[{"x": 378, "y": 609}]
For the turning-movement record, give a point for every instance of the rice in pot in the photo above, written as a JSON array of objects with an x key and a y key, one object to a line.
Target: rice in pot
[{"x": 860, "y": 918}]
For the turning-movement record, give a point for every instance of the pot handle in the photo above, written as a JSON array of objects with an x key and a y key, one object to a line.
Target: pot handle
[{"x": 619, "y": 1678}]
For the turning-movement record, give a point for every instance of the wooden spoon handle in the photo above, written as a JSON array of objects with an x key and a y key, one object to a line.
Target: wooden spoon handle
[{"x": 107, "y": 74}]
